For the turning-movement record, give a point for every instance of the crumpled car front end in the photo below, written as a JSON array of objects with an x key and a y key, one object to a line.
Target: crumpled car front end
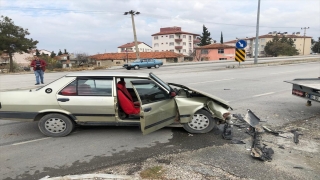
[{"x": 190, "y": 100}]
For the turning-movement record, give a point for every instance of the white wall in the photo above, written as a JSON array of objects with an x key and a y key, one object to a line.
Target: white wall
[{"x": 142, "y": 48}]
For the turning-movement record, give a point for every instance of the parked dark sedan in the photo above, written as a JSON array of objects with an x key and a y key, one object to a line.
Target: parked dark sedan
[{"x": 141, "y": 63}]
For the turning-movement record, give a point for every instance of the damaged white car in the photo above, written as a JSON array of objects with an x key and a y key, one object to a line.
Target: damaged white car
[{"x": 114, "y": 98}]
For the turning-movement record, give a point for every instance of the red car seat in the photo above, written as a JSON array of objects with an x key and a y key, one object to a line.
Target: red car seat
[{"x": 125, "y": 99}]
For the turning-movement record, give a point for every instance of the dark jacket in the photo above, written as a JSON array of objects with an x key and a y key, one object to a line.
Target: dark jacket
[{"x": 43, "y": 64}]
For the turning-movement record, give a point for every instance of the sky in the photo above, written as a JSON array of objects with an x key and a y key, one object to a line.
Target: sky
[{"x": 99, "y": 26}]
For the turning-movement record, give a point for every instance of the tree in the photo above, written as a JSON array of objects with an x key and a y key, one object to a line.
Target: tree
[
  {"x": 37, "y": 52},
  {"x": 205, "y": 39},
  {"x": 221, "y": 38},
  {"x": 82, "y": 58},
  {"x": 316, "y": 46},
  {"x": 51, "y": 62},
  {"x": 13, "y": 39},
  {"x": 52, "y": 55},
  {"x": 280, "y": 46},
  {"x": 65, "y": 51},
  {"x": 59, "y": 53},
  {"x": 200, "y": 54}
]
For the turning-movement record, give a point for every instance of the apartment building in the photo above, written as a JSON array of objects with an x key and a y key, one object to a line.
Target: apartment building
[
  {"x": 300, "y": 42},
  {"x": 175, "y": 40},
  {"x": 130, "y": 47}
]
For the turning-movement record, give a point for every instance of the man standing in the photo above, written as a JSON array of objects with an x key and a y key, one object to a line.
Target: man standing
[{"x": 39, "y": 66}]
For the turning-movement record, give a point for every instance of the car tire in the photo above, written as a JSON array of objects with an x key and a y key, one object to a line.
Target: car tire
[
  {"x": 136, "y": 67},
  {"x": 157, "y": 66},
  {"x": 149, "y": 67},
  {"x": 201, "y": 122},
  {"x": 56, "y": 125},
  {"x": 128, "y": 68}
]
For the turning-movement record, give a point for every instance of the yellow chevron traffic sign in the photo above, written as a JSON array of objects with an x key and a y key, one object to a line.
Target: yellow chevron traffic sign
[{"x": 240, "y": 55}]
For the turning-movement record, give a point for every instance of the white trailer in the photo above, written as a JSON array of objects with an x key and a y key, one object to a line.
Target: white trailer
[{"x": 308, "y": 89}]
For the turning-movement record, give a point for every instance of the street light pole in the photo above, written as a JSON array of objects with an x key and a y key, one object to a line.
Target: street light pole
[
  {"x": 132, "y": 13},
  {"x": 304, "y": 38},
  {"x": 257, "y": 36}
]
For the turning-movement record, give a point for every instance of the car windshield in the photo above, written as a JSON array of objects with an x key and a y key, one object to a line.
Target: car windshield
[
  {"x": 165, "y": 85},
  {"x": 138, "y": 60}
]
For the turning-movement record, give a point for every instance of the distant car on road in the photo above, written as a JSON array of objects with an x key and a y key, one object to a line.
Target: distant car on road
[{"x": 142, "y": 63}]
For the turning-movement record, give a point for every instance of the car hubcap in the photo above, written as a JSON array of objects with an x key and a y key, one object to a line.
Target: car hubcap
[
  {"x": 157, "y": 66},
  {"x": 199, "y": 122},
  {"x": 55, "y": 125}
]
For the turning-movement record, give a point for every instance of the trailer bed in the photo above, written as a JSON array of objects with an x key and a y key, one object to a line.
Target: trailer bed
[{"x": 306, "y": 88}]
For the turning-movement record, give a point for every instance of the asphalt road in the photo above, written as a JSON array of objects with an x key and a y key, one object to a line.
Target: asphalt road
[{"x": 27, "y": 154}]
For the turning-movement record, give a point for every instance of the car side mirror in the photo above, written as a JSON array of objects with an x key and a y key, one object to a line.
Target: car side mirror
[{"x": 173, "y": 94}]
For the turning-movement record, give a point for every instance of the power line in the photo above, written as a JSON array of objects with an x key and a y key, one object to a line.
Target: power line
[{"x": 147, "y": 15}]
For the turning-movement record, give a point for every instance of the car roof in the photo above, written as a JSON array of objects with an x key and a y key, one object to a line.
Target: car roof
[{"x": 108, "y": 73}]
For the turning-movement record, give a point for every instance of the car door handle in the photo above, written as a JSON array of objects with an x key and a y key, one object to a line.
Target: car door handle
[
  {"x": 147, "y": 109},
  {"x": 63, "y": 99}
]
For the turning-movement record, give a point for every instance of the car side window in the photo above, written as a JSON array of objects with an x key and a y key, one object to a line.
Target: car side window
[
  {"x": 94, "y": 87},
  {"x": 150, "y": 92},
  {"x": 88, "y": 87}
]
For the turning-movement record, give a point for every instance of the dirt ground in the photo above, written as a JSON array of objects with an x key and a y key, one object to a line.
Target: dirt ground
[{"x": 233, "y": 161}]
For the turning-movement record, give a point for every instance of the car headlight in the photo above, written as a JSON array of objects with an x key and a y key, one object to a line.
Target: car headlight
[{"x": 227, "y": 116}]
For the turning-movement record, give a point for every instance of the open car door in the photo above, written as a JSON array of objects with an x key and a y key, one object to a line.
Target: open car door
[{"x": 158, "y": 109}]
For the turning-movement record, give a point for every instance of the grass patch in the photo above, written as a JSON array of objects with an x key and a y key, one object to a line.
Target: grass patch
[{"x": 152, "y": 173}]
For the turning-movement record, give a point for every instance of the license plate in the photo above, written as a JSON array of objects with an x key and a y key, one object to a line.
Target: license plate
[{"x": 316, "y": 98}]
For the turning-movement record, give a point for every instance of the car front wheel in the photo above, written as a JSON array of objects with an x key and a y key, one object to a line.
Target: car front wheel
[
  {"x": 136, "y": 67},
  {"x": 56, "y": 125},
  {"x": 156, "y": 66},
  {"x": 149, "y": 67},
  {"x": 201, "y": 122},
  {"x": 128, "y": 68}
]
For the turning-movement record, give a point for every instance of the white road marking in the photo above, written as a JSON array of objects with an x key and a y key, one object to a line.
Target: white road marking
[
  {"x": 212, "y": 81},
  {"x": 25, "y": 142},
  {"x": 263, "y": 94},
  {"x": 283, "y": 72}
]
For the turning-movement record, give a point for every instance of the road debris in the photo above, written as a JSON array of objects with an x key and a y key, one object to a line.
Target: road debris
[
  {"x": 258, "y": 150},
  {"x": 296, "y": 136},
  {"x": 236, "y": 141},
  {"x": 267, "y": 129},
  {"x": 298, "y": 167},
  {"x": 227, "y": 132}
]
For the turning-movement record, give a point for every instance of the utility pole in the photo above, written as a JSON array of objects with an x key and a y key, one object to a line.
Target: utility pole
[
  {"x": 127, "y": 54},
  {"x": 132, "y": 13},
  {"x": 304, "y": 38},
  {"x": 257, "y": 36}
]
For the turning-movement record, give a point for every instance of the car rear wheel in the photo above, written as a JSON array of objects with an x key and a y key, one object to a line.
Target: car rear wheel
[
  {"x": 149, "y": 67},
  {"x": 156, "y": 66},
  {"x": 56, "y": 125},
  {"x": 136, "y": 67},
  {"x": 201, "y": 122}
]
